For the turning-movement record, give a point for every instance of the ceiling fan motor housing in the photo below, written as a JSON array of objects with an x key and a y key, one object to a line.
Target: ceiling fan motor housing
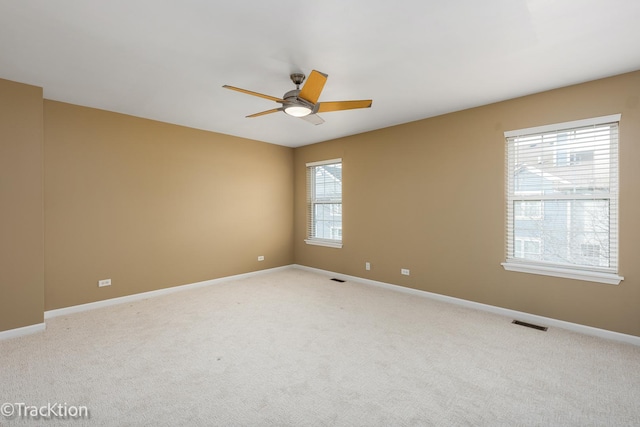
[{"x": 297, "y": 79}]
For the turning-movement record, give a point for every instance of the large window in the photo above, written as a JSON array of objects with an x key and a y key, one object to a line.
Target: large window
[
  {"x": 562, "y": 200},
  {"x": 324, "y": 203}
]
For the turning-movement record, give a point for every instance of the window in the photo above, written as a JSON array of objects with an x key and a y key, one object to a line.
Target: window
[
  {"x": 562, "y": 200},
  {"x": 528, "y": 247},
  {"x": 324, "y": 203},
  {"x": 528, "y": 209},
  {"x": 590, "y": 250}
]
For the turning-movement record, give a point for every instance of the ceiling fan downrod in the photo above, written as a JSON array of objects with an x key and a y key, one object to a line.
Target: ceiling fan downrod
[{"x": 297, "y": 79}]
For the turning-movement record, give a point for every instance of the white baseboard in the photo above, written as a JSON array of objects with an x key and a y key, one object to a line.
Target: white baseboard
[
  {"x": 532, "y": 318},
  {"x": 151, "y": 294},
  {"x": 514, "y": 314},
  {"x": 25, "y": 330}
]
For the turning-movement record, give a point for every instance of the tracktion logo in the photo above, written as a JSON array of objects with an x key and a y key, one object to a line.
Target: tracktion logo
[{"x": 61, "y": 411}]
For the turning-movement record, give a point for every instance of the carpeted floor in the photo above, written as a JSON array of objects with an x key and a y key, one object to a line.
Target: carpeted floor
[{"x": 292, "y": 348}]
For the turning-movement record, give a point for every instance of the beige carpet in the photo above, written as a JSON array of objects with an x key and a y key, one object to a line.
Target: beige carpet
[{"x": 292, "y": 348}]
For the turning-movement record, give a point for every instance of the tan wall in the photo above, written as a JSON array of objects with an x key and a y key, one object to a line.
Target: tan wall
[
  {"x": 429, "y": 196},
  {"x": 152, "y": 205},
  {"x": 21, "y": 209}
]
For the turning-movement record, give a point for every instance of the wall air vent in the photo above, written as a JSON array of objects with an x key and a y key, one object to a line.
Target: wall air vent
[{"x": 530, "y": 325}]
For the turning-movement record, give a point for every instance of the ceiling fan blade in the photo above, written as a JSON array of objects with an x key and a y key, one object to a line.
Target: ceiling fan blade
[
  {"x": 250, "y": 92},
  {"x": 262, "y": 113},
  {"x": 313, "y": 86},
  {"x": 313, "y": 119},
  {"x": 324, "y": 107}
]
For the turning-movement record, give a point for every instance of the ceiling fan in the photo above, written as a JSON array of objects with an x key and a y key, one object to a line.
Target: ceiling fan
[{"x": 303, "y": 103}]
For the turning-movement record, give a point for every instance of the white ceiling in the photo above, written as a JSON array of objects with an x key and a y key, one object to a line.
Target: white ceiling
[{"x": 167, "y": 60}]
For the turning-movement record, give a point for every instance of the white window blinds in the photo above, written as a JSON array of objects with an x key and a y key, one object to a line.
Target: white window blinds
[
  {"x": 324, "y": 203},
  {"x": 562, "y": 195}
]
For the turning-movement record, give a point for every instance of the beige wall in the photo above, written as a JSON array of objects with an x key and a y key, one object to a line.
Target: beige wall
[
  {"x": 152, "y": 205},
  {"x": 429, "y": 196},
  {"x": 21, "y": 211}
]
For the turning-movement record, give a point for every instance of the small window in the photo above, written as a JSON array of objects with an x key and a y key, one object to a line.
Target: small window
[
  {"x": 562, "y": 200},
  {"x": 590, "y": 250},
  {"x": 530, "y": 248},
  {"x": 324, "y": 203},
  {"x": 581, "y": 157},
  {"x": 528, "y": 209}
]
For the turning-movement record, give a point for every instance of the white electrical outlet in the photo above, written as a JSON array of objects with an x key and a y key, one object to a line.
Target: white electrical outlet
[
  {"x": 367, "y": 266},
  {"x": 105, "y": 282},
  {"x": 261, "y": 258},
  {"x": 404, "y": 271}
]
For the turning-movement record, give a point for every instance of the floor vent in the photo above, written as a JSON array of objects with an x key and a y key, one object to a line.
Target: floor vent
[
  {"x": 530, "y": 325},
  {"x": 338, "y": 280}
]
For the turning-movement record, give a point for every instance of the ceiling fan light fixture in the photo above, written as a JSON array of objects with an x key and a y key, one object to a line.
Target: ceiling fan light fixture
[{"x": 297, "y": 110}]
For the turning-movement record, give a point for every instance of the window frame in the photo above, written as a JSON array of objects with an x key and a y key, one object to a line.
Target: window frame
[
  {"x": 578, "y": 272},
  {"x": 313, "y": 201}
]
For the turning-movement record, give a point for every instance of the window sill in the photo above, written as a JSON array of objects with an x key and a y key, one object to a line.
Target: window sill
[
  {"x": 567, "y": 273},
  {"x": 327, "y": 243}
]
